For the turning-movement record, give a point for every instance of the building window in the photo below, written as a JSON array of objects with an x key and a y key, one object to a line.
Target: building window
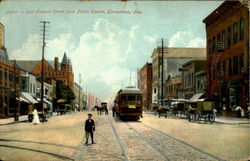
[
  {"x": 30, "y": 87},
  {"x": 209, "y": 46},
  {"x": 241, "y": 29},
  {"x": 34, "y": 88},
  {"x": 230, "y": 67},
  {"x": 241, "y": 63},
  {"x": 218, "y": 40},
  {"x": 213, "y": 45},
  {"x": 155, "y": 90},
  {"x": 235, "y": 65},
  {"x": 228, "y": 37},
  {"x": 223, "y": 68},
  {"x": 218, "y": 69},
  {"x": 223, "y": 36},
  {"x": 235, "y": 34}
]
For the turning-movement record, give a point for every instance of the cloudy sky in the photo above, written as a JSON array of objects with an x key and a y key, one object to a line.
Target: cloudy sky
[{"x": 106, "y": 47}]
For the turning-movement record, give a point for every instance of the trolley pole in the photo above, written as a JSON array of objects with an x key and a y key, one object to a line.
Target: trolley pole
[{"x": 42, "y": 70}]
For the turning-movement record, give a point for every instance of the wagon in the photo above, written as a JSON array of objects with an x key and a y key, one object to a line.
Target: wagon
[{"x": 204, "y": 111}]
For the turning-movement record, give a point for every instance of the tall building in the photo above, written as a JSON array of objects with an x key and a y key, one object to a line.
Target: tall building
[
  {"x": 79, "y": 100},
  {"x": 227, "y": 30},
  {"x": 145, "y": 85},
  {"x": 59, "y": 71},
  {"x": 174, "y": 58},
  {"x": 173, "y": 86},
  {"x": 9, "y": 82}
]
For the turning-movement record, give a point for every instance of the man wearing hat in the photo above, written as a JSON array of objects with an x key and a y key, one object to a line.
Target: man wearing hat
[{"x": 89, "y": 129}]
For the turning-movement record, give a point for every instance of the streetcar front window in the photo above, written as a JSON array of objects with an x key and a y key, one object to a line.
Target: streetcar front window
[
  {"x": 123, "y": 98},
  {"x": 138, "y": 99},
  {"x": 131, "y": 100}
]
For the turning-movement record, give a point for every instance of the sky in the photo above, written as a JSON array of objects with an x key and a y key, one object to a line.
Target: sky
[{"x": 107, "y": 41}]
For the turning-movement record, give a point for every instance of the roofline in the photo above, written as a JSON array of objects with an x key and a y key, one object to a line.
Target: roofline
[{"x": 220, "y": 10}]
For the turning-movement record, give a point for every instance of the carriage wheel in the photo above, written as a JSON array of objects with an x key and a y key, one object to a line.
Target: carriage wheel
[{"x": 211, "y": 118}]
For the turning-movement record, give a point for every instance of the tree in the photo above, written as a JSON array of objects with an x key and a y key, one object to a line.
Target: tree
[{"x": 64, "y": 92}]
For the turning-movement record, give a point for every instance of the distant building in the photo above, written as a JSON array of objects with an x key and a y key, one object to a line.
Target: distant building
[
  {"x": 62, "y": 72},
  {"x": 79, "y": 100},
  {"x": 91, "y": 101},
  {"x": 189, "y": 75},
  {"x": 174, "y": 58},
  {"x": 172, "y": 87},
  {"x": 145, "y": 85},
  {"x": 227, "y": 29}
]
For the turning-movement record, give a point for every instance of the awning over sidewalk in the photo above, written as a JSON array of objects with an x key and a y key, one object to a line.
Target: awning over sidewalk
[
  {"x": 28, "y": 97},
  {"x": 23, "y": 100},
  {"x": 197, "y": 97}
]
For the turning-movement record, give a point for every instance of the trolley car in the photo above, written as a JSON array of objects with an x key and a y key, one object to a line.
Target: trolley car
[{"x": 128, "y": 103}]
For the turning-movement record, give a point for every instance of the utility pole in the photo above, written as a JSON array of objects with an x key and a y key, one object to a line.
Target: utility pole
[
  {"x": 15, "y": 101},
  {"x": 162, "y": 51},
  {"x": 80, "y": 90},
  {"x": 42, "y": 70}
]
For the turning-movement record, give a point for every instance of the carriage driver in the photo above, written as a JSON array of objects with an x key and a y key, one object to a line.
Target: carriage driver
[{"x": 89, "y": 129}]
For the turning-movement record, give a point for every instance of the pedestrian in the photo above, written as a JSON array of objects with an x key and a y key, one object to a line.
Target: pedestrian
[
  {"x": 248, "y": 110},
  {"x": 35, "y": 117},
  {"x": 238, "y": 109},
  {"x": 89, "y": 129},
  {"x": 113, "y": 111}
]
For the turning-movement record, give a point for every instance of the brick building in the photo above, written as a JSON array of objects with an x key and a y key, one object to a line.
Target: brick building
[
  {"x": 9, "y": 82},
  {"x": 145, "y": 85},
  {"x": 227, "y": 30},
  {"x": 59, "y": 71}
]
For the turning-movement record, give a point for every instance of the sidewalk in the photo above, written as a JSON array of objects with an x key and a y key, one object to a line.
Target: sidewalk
[
  {"x": 10, "y": 120},
  {"x": 231, "y": 120}
]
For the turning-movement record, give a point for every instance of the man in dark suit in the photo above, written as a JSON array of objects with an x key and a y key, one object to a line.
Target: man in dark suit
[{"x": 89, "y": 129}]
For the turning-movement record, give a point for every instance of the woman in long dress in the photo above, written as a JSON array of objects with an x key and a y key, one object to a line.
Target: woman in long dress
[{"x": 35, "y": 117}]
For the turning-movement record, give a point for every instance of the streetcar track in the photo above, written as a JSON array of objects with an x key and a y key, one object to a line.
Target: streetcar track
[
  {"x": 148, "y": 141},
  {"x": 33, "y": 142},
  {"x": 39, "y": 151},
  {"x": 119, "y": 140},
  {"x": 182, "y": 142}
]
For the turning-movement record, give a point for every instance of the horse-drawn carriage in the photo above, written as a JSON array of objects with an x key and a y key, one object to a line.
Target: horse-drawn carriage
[{"x": 204, "y": 111}]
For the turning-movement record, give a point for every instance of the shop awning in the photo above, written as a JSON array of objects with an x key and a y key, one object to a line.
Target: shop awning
[
  {"x": 28, "y": 97},
  {"x": 197, "y": 97},
  {"x": 23, "y": 100}
]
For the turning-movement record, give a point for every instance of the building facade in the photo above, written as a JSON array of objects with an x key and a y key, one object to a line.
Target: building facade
[
  {"x": 9, "y": 82},
  {"x": 172, "y": 87},
  {"x": 227, "y": 30},
  {"x": 79, "y": 100},
  {"x": 91, "y": 101},
  {"x": 174, "y": 58},
  {"x": 189, "y": 70},
  {"x": 145, "y": 85},
  {"x": 64, "y": 73}
]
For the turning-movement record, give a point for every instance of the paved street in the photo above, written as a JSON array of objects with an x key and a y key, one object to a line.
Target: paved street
[{"x": 151, "y": 138}]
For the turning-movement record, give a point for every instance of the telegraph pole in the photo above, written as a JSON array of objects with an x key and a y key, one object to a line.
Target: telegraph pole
[
  {"x": 15, "y": 101},
  {"x": 42, "y": 70},
  {"x": 79, "y": 90},
  {"x": 162, "y": 51}
]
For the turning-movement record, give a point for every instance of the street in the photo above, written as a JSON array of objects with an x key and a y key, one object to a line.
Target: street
[{"x": 151, "y": 138}]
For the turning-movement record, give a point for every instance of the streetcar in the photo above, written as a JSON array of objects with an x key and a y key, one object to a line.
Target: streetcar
[{"x": 128, "y": 103}]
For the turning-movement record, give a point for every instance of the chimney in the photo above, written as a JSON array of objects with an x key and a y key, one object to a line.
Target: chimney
[{"x": 56, "y": 64}]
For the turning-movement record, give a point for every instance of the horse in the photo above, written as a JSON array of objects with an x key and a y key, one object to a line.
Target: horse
[
  {"x": 99, "y": 110},
  {"x": 162, "y": 110}
]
